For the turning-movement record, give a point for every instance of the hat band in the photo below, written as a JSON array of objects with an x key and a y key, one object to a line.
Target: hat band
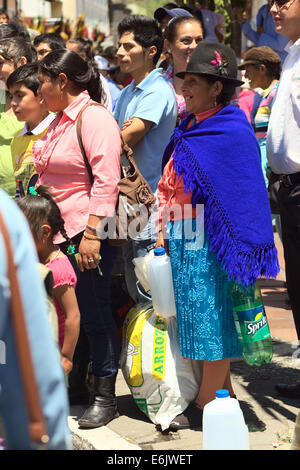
[{"x": 208, "y": 69}]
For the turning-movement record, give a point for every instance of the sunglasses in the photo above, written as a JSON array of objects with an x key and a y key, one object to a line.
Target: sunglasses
[{"x": 280, "y": 4}]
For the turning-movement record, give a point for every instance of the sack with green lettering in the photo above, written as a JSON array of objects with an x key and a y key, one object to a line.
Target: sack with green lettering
[{"x": 161, "y": 381}]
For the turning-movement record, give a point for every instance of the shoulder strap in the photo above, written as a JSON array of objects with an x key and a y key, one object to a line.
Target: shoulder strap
[
  {"x": 37, "y": 424},
  {"x": 126, "y": 150},
  {"x": 79, "y": 137}
]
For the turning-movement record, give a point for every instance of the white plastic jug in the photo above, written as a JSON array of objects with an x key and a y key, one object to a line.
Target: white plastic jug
[
  {"x": 161, "y": 284},
  {"x": 224, "y": 426}
]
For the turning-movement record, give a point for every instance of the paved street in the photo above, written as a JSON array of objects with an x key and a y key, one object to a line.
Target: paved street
[{"x": 270, "y": 418}]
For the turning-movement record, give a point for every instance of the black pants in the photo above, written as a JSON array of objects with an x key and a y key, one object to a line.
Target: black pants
[
  {"x": 289, "y": 201},
  {"x": 99, "y": 340}
]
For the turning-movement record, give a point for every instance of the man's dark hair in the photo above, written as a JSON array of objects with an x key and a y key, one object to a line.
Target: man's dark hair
[
  {"x": 15, "y": 48},
  {"x": 109, "y": 53},
  {"x": 53, "y": 40},
  {"x": 84, "y": 47},
  {"x": 4, "y": 12},
  {"x": 13, "y": 30},
  {"x": 146, "y": 32},
  {"x": 27, "y": 75}
]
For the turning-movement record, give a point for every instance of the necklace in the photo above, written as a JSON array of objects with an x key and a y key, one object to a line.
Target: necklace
[{"x": 55, "y": 256}]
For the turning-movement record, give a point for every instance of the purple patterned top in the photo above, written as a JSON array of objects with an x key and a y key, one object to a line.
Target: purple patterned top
[{"x": 182, "y": 112}]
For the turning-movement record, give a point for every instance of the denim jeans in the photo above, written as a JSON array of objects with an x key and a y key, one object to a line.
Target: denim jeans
[
  {"x": 137, "y": 248},
  {"x": 99, "y": 340}
]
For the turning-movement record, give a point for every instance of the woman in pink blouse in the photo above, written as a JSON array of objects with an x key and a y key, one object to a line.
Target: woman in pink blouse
[{"x": 67, "y": 84}]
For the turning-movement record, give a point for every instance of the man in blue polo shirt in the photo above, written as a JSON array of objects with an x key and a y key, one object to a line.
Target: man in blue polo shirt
[{"x": 146, "y": 113}]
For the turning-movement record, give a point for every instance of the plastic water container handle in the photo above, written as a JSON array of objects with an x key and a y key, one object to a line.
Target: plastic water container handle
[{"x": 140, "y": 292}]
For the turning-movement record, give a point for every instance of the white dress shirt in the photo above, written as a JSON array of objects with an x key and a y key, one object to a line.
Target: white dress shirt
[
  {"x": 283, "y": 139},
  {"x": 40, "y": 127}
]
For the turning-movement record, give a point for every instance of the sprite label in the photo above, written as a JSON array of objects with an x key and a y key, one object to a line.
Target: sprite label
[{"x": 253, "y": 325}]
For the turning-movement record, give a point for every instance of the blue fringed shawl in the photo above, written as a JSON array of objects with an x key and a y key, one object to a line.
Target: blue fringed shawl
[{"x": 219, "y": 161}]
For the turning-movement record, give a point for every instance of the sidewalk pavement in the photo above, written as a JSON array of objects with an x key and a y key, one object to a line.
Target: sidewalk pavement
[{"x": 269, "y": 417}]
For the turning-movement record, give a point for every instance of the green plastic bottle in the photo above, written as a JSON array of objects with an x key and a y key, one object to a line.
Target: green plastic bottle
[{"x": 251, "y": 324}]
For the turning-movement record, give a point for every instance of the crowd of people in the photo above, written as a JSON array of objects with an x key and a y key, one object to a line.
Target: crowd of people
[{"x": 175, "y": 94}]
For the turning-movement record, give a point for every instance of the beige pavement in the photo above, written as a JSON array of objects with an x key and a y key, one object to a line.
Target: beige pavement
[{"x": 270, "y": 418}]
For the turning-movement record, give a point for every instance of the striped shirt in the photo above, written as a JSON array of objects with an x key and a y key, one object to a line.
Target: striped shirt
[{"x": 262, "y": 116}]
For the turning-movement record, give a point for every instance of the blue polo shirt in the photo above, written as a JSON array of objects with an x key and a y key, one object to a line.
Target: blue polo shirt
[
  {"x": 153, "y": 100},
  {"x": 45, "y": 357}
]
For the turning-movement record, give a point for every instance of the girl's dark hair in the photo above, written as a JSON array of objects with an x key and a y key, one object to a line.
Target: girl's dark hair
[
  {"x": 227, "y": 92},
  {"x": 171, "y": 29},
  {"x": 15, "y": 48},
  {"x": 27, "y": 74},
  {"x": 146, "y": 32},
  {"x": 42, "y": 209},
  {"x": 84, "y": 74}
]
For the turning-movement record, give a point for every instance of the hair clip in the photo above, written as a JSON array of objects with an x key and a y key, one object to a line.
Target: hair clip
[
  {"x": 32, "y": 191},
  {"x": 71, "y": 249}
]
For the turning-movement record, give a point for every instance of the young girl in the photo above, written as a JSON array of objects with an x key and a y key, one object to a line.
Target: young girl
[{"x": 45, "y": 222}]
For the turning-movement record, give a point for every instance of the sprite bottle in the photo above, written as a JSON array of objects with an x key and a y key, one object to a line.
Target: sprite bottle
[{"x": 251, "y": 324}]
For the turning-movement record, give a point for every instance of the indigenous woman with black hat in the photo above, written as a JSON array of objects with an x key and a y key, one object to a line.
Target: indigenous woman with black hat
[{"x": 213, "y": 160}]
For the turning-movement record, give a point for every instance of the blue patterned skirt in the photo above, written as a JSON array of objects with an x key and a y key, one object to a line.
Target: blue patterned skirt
[{"x": 203, "y": 298}]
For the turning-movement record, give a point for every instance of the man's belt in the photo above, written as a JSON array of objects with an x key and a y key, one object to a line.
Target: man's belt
[{"x": 285, "y": 180}]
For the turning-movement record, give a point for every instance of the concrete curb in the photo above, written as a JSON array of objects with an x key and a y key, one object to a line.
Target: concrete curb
[
  {"x": 272, "y": 416},
  {"x": 101, "y": 438}
]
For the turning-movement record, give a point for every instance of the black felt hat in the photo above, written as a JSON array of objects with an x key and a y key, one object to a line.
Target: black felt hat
[{"x": 214, "y": 60}]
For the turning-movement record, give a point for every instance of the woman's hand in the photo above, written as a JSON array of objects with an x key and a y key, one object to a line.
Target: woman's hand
[
  {"x": 161, "y": 243},
  {"x": 88, "y": 254},
  {"x": 66, "y": 364}
]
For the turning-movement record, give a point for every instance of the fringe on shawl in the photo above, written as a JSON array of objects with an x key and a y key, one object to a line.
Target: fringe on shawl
[{"x": 242, "y": 266}]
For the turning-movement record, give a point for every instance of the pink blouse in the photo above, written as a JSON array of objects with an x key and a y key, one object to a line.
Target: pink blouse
[
  {"x": 63, "y": 274},
  {"x": 60, "y": 165},
  {"x": 171, "y": 191}
]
